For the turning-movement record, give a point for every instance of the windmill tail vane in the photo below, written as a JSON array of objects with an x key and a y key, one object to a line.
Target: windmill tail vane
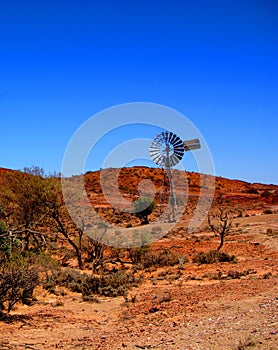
[{"x": 190, "y": 145}]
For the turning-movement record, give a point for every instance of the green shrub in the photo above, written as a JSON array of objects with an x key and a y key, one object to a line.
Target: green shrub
[
  {"x": 213, "y": 256},
  {"x": 143, "y": 207}
]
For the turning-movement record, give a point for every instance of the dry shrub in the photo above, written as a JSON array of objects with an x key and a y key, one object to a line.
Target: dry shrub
[
  {"x": 246, "y": 344},
  {"x": 109, "y": 285},
  {"x": 17, "y": 283},
  {"x": 69, "y": 278},
  {"x": 213, "y": 256},
  {"x": 145, "y": 257}
]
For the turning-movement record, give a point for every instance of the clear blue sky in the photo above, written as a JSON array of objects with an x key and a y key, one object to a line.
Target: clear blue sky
[{"x": 215, "y": 61}]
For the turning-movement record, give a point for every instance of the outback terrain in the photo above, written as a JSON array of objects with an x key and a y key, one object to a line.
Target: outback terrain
[{"x": 178, "y": 299}]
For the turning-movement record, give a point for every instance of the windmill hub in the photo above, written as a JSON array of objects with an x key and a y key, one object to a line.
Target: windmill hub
[
  {"x": 166, "y": 149},
  {"x": 169, "y": 149}
]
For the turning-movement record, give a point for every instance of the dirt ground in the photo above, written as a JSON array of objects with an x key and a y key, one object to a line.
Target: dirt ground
[{"x": 216, "y": 306}]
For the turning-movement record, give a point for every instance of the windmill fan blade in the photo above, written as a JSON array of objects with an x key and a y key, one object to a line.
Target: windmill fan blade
[
  {"x": 179, "y": 155},
  {"x": 165, "y": 138},
  {"x": 157, "y": 142},
  {"x": 172, "y": 136},
  {"x": 175, "y": 159},
  {"x": 158, "y": 157},
  {"x": 175, "y": 139},
  {"x": 154, "y": 149},
  {"x": 177, "y": 142},
  {"x": 153, "y": 152},
  {"x": 155, "y": 157},
  {"x": 179, "y": 151},
  {"x": 168, "y": 136},
  {"x": 159, "y": 139}
]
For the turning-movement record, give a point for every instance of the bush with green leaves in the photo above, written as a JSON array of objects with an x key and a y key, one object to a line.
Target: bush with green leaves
[{"x": 143, "y": 207}]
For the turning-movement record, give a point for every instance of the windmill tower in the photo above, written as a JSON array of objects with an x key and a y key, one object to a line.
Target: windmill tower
[{"x": 167, "y": 150}]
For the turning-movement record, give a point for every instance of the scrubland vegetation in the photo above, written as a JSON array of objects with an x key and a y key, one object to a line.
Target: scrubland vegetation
[{"x": 43, "y": 253}]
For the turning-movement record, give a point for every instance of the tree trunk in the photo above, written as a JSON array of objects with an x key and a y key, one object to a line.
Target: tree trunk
[
  {"x": 145, "y": 220},
  {"x": 64, "y": 232},
  {"x": 222, "y": 236}
]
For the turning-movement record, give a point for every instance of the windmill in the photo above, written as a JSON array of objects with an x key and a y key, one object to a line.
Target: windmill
[{"x": 167, "y": 150}]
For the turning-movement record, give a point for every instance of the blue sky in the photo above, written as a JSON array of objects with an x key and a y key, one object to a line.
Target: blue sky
[{"x": 215, "y": 61}]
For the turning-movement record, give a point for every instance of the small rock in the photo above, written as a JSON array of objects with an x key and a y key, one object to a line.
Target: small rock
[{"x": 153, "y": 309}]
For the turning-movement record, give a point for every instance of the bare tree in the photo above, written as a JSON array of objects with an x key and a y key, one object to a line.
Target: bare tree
[
  {"x": 61, "y": 226},
  {"x": 95, "y": 250},
  {"x": 59, "y": 218},
  {"x": 220, "y": 220},
  {"x": 95, "y": 247}
]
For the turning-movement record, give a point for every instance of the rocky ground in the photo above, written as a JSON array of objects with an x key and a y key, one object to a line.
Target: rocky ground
[{"x": 216, "y": 306}]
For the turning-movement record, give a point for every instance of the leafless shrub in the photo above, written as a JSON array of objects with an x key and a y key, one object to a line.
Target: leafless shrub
[
  {"x": 17, "y": 283},
  {"x": 95, "y": 251},
  {"x": 220, "y": 220}
]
